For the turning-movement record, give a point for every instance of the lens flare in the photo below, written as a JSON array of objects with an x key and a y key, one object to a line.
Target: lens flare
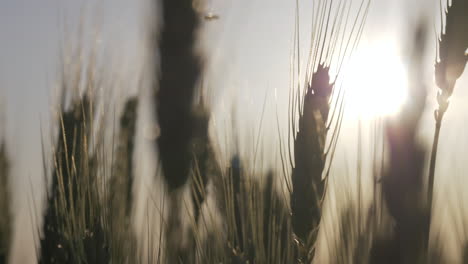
[{"x": 375, "y": 83}]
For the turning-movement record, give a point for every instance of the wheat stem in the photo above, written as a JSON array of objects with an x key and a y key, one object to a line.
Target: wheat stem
[{"x": 438, "y": 117}]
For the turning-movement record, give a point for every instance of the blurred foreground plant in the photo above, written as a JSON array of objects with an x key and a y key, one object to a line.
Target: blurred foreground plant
[
  {"x": 449, "y": 66},
  {"x": 5, "y": 200},
  {"x": 403, "y": 180}
]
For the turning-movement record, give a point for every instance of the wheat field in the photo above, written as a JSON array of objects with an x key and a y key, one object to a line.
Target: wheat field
[{"x": 197, "y": 131}]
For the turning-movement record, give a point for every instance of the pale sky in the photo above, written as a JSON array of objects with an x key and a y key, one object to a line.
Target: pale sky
[{"x": 249, "y": 49}]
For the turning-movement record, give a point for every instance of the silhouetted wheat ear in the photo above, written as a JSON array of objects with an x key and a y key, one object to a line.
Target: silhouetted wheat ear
[
  {"x": 179, "y": 71},
  {"x": 309, "y": 160},
  {"x": 337, "y": 27},
  {"x": 122, "y": 239},
  {"x": 73, "y": 231},
  {"x": 5, "y": 200},
  {"x": 121, "y": 183},
  {"x": 55, "y": 247},
  {"x": 452, "y": 46}
]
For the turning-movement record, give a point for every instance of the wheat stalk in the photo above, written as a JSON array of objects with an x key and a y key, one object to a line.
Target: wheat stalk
[
  {"x": 71, "y": 214},
  {"x": 402, "y": 182},
  {"x": 205, "y": 164},
  {"x": 5, "y": 217},
  {"x": 75, "y": 227},
  {"x": 179, "y": 70},
  {"x": 178, "y": 73},
  {"x": 452, "y": 46},
  {"x": 122, "y": 239},
  {"x": 335, "y": 35},
  {"x": 257, "y": 218}
]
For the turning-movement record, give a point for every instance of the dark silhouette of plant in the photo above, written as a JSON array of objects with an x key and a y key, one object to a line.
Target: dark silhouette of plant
[
  {"x": 5, "y": 200},
  {"x": 332, "y": 41},
  {"x": 179, "y": 71},
  {"x": 256, "y": 216},
  {"x": 402, "y": 183},
  {"x": 205, "y": 164},
  {"x": 73, "y": 231},
  {"x": 122, "y": 238},
  {"x": 309, "y": 161},
  {"x": 449, "y": 66}
]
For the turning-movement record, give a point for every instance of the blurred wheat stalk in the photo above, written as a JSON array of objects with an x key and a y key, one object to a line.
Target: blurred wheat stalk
[
  {"x": 450, "y": 63},
  {"x": 5, "y": 215},
  {"x": 402, "y": 182}
]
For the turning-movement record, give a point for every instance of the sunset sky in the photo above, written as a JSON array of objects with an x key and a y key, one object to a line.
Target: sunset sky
[{"x": 248, "y": 49}]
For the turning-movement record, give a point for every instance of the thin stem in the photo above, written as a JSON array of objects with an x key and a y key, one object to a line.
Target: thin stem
[
  {"x": 430, "y": 191},
  {"x": 438, "y": 116}
]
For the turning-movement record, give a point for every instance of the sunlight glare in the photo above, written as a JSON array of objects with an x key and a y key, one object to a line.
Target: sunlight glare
[{"x": 375, "y": 82}]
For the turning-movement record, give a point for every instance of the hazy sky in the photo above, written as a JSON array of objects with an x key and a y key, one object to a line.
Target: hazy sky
[{"x": 250, "y": 49}]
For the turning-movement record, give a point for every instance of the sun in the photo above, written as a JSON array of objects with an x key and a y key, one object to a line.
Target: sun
[{"x": 375, "y": 82}]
